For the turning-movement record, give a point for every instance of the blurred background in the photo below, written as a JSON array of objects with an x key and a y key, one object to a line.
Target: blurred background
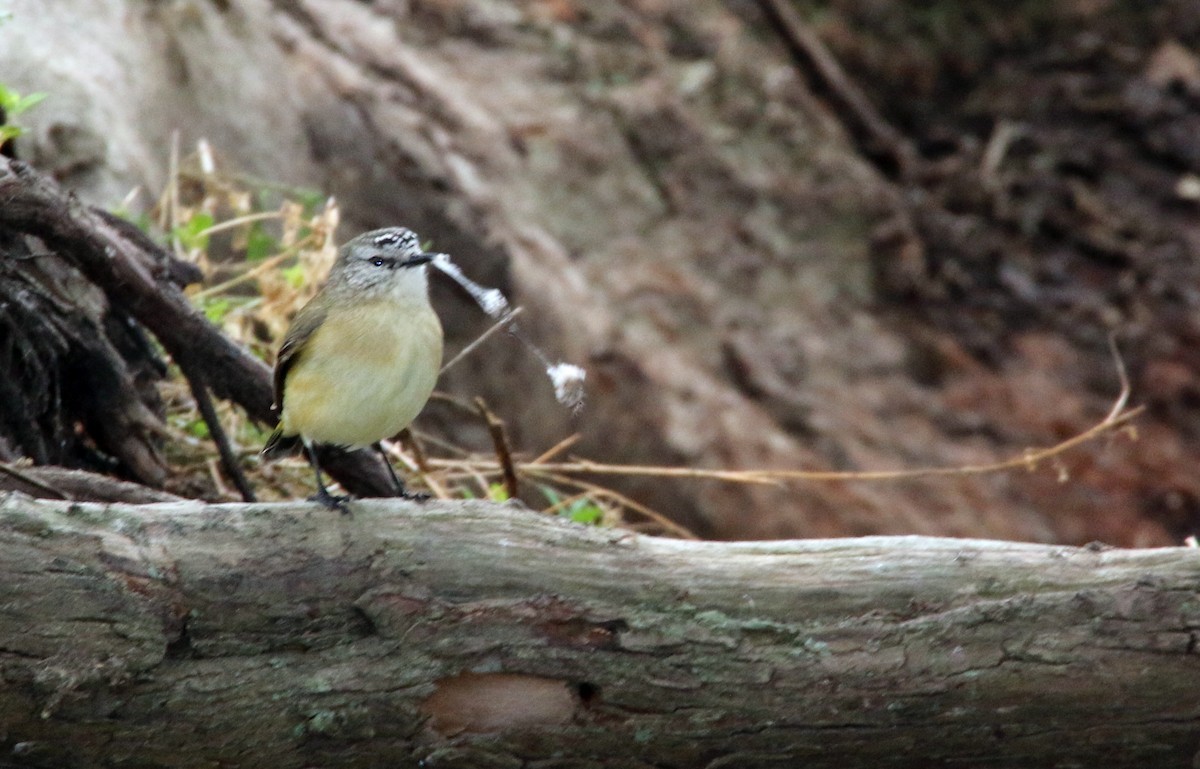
[{"x": 911, "y": 253}]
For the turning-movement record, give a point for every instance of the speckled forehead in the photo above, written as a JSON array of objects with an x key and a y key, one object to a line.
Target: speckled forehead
[{"x": 401, "y": 240}]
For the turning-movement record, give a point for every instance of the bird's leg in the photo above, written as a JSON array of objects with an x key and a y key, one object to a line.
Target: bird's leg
[
  {"x": 323, "y": 496},
  {"x": 401, "y": 491}
]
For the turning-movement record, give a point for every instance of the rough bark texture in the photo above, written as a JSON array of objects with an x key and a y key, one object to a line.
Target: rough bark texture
[
  {"x": 658, "y": 186},
  {"x": 62, "y": 483},
  {"x": 78, "y": 381},
  {"x": 474, "y": 635}
]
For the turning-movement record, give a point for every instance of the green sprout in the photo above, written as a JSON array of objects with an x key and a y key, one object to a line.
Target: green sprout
[
  {"x": 584, "y": 510},
  {"x": 193, "y": 234},
  {"x": 294, "y": 275},
  {"x": 13, "y": 103},
  {"x": 215, "y": 308},
  {"x": 260, "y": 243}
]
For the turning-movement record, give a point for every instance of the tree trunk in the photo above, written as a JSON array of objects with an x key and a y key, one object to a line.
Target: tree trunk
[{"x": 475, "y": 635}]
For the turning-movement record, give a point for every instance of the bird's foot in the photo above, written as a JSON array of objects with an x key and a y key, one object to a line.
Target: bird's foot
[
  {"x": 415, "y": 496},
  {"x": 332, "y": 501}
]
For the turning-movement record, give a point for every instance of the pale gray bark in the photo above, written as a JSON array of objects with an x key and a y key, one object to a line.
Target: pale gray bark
[{"x": 474, "y": 635}]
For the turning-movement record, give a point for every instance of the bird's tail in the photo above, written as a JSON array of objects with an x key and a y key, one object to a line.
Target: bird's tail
[{"x": 280, "y": 445}]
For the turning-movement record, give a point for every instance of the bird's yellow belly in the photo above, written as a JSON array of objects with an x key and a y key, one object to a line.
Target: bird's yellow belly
[{"x": 364, "y": 375}]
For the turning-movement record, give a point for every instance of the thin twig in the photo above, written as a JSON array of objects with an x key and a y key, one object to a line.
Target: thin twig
[
  {"x": 171, "y": 212},
  {"x": 214, "y": 472},
  {"x": 230, "y": 224},
  {"x": 500, "y": 443},
  {"x": 1028, "y": 460},
  {"x": 874, "y": 134},
  {"x": 408, "y": 438},
  {"x": 1122, "y": 377},
  {"x": 462, "y": 404},
  {"x": 215, "y": 430},
  {"x": 440, "y": 443},
  {"x": 464, "y": 352},
  {"x": 997, "y": 146},
  {"x": 600, "y": 468},
  {"x": 558, "y": 448}
]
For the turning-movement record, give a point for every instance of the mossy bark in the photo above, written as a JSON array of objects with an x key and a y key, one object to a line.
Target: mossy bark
[{"x": 469, "y": 635}]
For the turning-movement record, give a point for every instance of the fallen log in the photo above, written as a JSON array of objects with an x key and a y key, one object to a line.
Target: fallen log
[{"x": 469, "y": 634}]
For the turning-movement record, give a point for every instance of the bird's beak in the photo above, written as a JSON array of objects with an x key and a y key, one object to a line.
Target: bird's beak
[{"x": 419, "y": 259}]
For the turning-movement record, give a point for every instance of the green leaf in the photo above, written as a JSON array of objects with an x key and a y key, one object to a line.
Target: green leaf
[
  {"x": 583, "y": 510},
  {"x": 198, "y": 428},
  {"x": 216, "y": 309},
  {"x": 9, "y": 132},
  {"x": 294, "y": 275},
  {"x": 259, "y": 243},
  {"x": 497, "y": 492},
  {"x": 310, "y": 200},
  {"x": 192, "y": 234},
  {"x": 25, "y": 102},
  {"x": 588, "y": 514},
  {"x": 14, "y": 104}
]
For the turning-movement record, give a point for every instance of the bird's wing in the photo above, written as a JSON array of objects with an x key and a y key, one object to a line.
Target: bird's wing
[{"x": 307, "y": 321}]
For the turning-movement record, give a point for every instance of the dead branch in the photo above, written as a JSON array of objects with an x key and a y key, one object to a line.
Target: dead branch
[
  {"x": 76, "y": 485},
  {"x": 875, "y": 136},
  {"x": 500, "y": 444},
  {"x": 216, "y": 431},
  {"x": 140, "y": 277}
]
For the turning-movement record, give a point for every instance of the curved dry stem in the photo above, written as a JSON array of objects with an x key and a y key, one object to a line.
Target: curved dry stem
[{"x": 1028, "y": 460}]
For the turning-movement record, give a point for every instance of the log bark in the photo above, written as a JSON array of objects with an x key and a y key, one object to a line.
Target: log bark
[
  {"x": 476, "y": 635},
  {"x": 77, "y": 376},
  {"x": 74, "y": 485}
]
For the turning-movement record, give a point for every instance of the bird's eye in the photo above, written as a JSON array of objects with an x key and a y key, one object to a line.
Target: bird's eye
[{"x": 377, "y": 261}]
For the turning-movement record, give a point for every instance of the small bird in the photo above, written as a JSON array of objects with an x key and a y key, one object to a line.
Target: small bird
[{"x": 360, "y": 360}]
